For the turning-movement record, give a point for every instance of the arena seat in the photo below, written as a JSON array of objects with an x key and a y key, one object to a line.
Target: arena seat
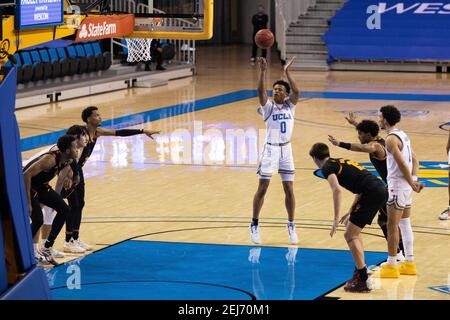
[
  {"x": 73, "y": 62},
  {"x": 55, "y": 66},
  {"x": 90, "y": 59},
  {"x": 46, "y": 66},
  {"x": 21, "y": 69},
  {"x": 37, "y": 69},
  {"x": 98, "y": 64},
  {"x": 106, "y": 55},
  {"x": 64, "y": 63},
  {"x": 81, "y": 64}
]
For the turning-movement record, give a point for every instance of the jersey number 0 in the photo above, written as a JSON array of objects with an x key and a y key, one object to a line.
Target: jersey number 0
[{"x": 283, "y": 126}]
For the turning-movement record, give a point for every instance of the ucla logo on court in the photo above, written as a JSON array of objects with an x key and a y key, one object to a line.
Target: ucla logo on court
[{"x": 433, "y": 174}]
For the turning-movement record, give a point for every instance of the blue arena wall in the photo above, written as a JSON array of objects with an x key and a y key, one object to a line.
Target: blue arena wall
[{"x": 405, "y": 30}]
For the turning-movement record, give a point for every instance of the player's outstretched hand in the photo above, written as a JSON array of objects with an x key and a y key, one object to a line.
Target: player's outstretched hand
[
  {"x": 333, "y": 140},
  {"x": 67, "y": 184},
  {"x": 288, "y": 63},
  {"x": 150, "y": 133},
  {"x": 351, "y": 118},
  {"x": 262, "y": 63},
  {"x": 344, "y": 219}
]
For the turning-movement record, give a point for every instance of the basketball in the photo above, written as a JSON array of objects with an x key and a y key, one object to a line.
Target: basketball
[{"x": 264, "y": 38}]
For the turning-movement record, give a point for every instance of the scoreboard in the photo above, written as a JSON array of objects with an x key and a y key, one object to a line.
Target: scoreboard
[{"x": 39, "y": 13}]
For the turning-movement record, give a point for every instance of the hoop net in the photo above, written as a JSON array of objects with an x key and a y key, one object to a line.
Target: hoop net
[{"x": 138, "y": 49}]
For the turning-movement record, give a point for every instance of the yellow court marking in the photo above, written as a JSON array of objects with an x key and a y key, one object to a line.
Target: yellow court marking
[
  {"x": 438, "y": 182},
  {"x": 431, "y": 173}
]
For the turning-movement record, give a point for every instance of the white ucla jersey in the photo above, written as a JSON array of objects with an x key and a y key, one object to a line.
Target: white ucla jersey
[
  {"x": 34, "y": 156},
  {"x": 395, "y": 178},
  {"x": 279, "y": 119}
]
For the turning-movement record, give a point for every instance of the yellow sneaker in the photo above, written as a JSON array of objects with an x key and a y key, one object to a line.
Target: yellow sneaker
[
  {"x": 389, "y": 271},
  {"x": 408, "y": 268}
]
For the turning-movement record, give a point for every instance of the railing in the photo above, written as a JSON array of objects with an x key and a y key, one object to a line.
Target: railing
[{"x": 286, "y": 12}]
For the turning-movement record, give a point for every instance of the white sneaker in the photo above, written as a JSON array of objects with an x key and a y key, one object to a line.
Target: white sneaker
[
  {"x": 293, "y": 238},
  {"x": 57, "y": 254},
  {"x": 252, "y": 59},
  {"x": 73, "y": 247},
  {"x": 369, "y": 284},
  {"x": 445, "y": 215},
  {"x": 83, "y": 245},
  {"x": 400, "y": 257},
  {"x": 254, "y": 234}
]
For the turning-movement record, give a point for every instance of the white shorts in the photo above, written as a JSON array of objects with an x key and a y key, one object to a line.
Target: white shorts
[
  {"x": 400, "y": 199},
  {"x": 277, "y": 158},
  {"x": 49, "y": 215}
]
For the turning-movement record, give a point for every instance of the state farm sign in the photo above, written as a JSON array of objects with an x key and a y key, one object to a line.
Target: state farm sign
[{"x": 102, "y": 27}]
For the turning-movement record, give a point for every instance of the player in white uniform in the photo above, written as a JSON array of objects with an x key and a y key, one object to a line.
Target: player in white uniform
[
  {"x": 278, "y": 114},
  {"x": 445, "y": 215},
  {"x": 402, "y": 167}
]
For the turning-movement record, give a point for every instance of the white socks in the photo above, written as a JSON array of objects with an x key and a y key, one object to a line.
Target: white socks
[
  {"x": 392, "y": 260},
  {"x": 407, "y": 238}
]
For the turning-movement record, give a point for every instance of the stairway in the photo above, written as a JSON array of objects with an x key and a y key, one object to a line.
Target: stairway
[{"x": 304, "y": 37}]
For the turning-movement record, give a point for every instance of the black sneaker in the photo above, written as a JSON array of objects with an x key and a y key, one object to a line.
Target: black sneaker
[
  {"x": 354, "y": 276},
  {"x": 356, "y": 284},
  {"x": 160, "y": 68}
]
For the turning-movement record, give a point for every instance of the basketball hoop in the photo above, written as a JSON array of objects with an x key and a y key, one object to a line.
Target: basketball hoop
[{"x": 139, "y": 49}]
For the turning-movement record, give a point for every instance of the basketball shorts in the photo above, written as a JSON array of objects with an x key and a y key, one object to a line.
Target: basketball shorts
[
  {"x": 369, "y": 204},
  {"x": 277, "y": 158},
  {"x": 400, "y": 198}
]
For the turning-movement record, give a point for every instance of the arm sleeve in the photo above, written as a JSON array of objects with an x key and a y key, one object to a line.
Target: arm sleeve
[{"x": 128, "y": 132}]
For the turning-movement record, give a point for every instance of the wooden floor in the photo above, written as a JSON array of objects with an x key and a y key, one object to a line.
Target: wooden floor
[{"x": 134, "y": 188}]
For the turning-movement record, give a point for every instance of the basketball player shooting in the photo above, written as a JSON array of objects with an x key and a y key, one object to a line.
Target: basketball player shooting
[{"x": 278, "y": 115}]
